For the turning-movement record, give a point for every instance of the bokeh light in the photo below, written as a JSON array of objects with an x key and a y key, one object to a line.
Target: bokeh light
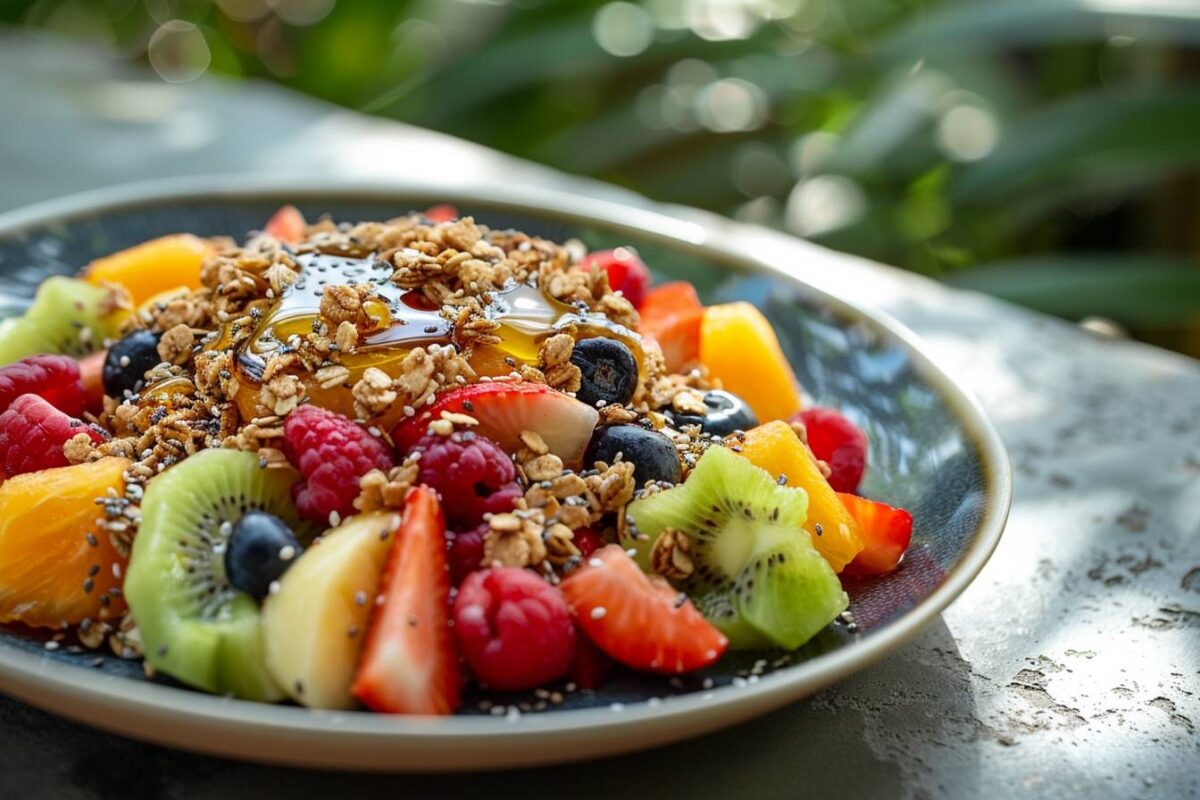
[
  {"x": 178, "y": 52},
  {"x": 623, "y": 29},
  {"x": 824, "y": 203}
]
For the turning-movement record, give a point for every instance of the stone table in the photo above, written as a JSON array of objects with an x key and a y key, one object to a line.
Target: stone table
[{"x": 1071, "y": 667}]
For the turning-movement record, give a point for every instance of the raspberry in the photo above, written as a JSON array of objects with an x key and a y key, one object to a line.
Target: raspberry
[
  {"x": 464, "y": 552},
  {"x": 471, "y": 473},
  {"x": 588, "y": 541},
  {"x": 513, "y": 629},
  {"x": 839, "y": 443},
  {"x": 54, "y": 378},
  {"x": 332, "y": 454},
  {"x": 32, "y": 435}
]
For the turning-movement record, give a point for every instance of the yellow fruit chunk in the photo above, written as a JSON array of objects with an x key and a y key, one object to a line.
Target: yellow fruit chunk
[
  {"x": 154, "y": 266},
  {"x": 315, "y": 624},
  {"x": 776, "y": 448},
  {"x": 738, "y": 345},
  {"x": 47, "y": 558}
]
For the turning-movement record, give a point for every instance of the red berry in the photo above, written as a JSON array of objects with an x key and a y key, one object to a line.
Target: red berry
[
  {"x": 287, "y": 225},
  {"x": 588, "y": 541},
  {"x": 441, "y": 213},
  {"x": 627, "y": 273},
  {"x": 53, "y": 378},
  {"x": 504, "y": 410},
  {"x": 408, "y": 664},
  {"x": 513, "y": 629},
  {"x": 839, "y": 443},
  {"x": 32, "y": 435},
  {"x": 671, "y": 315},
  {"x": 464, "y": 552},
  {"x": 332, "y": 454},
  {"x": 590, "y": 667},
  {"x": 471, "y": 473},
  {"x": 886, "y": 533},
  {"x": 637, "y": 619}
]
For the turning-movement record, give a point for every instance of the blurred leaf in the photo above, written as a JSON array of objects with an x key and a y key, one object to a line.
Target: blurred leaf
[
  {"x": 1140, "y": 290},
  {"x": 1102, "y": 134},
  {"x": 996, "y": 24}
]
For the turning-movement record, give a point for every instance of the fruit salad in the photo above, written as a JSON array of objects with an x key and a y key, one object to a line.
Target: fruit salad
[{"x": 369, "y": 465}]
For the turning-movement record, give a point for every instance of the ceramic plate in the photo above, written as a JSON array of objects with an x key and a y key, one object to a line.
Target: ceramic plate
[{"x": 932, "y": 451}]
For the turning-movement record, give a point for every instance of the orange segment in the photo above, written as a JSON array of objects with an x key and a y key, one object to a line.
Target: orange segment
[
  {"x": 776, "y": 448},
  {"x": 45, "y": 555},
  {"x": 154, "y": 266},
  {"x": 738, "y": 345}
]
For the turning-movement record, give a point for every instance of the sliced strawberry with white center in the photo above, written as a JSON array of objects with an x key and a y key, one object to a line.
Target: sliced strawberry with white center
[
  {"x": 409, "y": 664},
  {"x": 505, "y": 409},
  {"x": 638, "y": 620}
]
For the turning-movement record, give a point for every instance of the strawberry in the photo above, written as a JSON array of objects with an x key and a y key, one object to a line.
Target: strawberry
[
  {"x": 671, "y": 315},
  {"x": 441, "y": 213},
  {"x": 409, "y": 664},
  {"x": 886, "y": 532},
  {"x": 839, "y": 443},
  {"x": 505, "y": 409},
  {"x": 639, "y": 620},
  {"x": 287, "y": 225},
  {"x": 627, "y": 273}
]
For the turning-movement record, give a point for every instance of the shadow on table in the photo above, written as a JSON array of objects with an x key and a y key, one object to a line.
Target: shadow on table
[{"x": 846, "y": 741}]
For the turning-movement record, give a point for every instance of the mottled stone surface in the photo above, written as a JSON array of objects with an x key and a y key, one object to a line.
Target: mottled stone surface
[{"x": 1069, "y": 668}]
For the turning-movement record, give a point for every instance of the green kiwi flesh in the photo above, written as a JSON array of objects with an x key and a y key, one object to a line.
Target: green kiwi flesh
[
  {"x": 65, "y": 318},
  {"x": 756, "y": 574},
  {"x": 194, "y": 625}
]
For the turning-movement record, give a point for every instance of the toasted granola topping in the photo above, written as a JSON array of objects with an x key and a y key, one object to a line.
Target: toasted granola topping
[
  {"x": 380, "y": 491},
  {"x": 78, "y": 448},
  {"x": 347, "y": 337},
  {"x": 554, "y": 360},
  {"x": 515, "y": 541},
  {"x": 670, "y": 555},
  {"x": 175, "y": 345},
  {"x": 340, "y": 304}
]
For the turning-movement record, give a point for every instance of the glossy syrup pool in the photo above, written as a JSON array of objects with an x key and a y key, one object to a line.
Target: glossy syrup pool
[
  {"x": 401, "y": 320},
  {"x": 921, "y": 456}
]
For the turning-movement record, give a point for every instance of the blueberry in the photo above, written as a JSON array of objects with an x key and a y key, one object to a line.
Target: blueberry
[
  {"x": 609, "y": 370},
  {"x": 726, "y": 413},
  {"x": 259, "y": 551},
  {"x": 652, "y": 454},
  {"x": 127, "y": 361}
]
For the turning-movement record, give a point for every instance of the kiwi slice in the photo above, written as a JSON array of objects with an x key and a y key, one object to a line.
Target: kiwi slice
[
  {"x": 756, "y": 574},
  {"x": 66, "y": 317},
  {"x": 194, "y": 625}
]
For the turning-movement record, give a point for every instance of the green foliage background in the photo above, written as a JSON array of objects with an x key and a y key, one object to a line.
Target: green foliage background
[{"x": 1047, "y": 151}]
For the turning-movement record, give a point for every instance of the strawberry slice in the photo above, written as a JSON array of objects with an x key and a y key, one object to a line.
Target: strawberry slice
[
  {"x": 505, "y": 409},
  {"x": 671, "y": 315},
  {"x": 638, "y": 620},
  {"x": 287, "y": 225},
  {"x": 627, "y": 273},
  {"x": 409, "y": 664},
  {"x": 441, "y": 213},
  {"x": 886, "y": 532}
]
